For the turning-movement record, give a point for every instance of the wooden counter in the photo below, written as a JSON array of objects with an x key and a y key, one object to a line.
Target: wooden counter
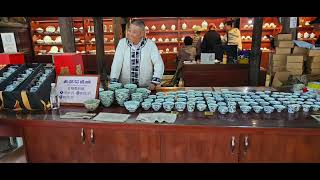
[
  {"x": 218, "y": 75},
  {"x": 194, "y": 137}
]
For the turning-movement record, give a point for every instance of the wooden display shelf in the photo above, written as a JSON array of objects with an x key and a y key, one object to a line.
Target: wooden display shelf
[
  {"x": 191, "y": 30},
  {"x": 152, "y": 18},
  {"x": 170, "y": 42},
  {"x": 249, "y": 41},
  {"x": 307, "y": 39},
  {"x": 163, "y": 31},
  {"x": 55, "y": 34},
  {"x": 107, "y": 33},
  {"x": 264, "y": 29},
  {"x": 107, "y": 43},
  {"x": 36, "y": 44},
  {"x": 170, "y": 52},
  {"x": 306, "y": 27}
]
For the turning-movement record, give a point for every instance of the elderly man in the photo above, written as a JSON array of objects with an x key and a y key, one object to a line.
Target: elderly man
[{"x": 137, "y": 59}]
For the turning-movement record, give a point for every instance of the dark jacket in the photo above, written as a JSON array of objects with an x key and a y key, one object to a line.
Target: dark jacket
[{"x": 211, "y": 43}]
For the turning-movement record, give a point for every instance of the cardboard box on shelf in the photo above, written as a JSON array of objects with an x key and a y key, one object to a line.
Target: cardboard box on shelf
[
  {"x": 284, "y": 37},
  {"x": 295, "y": 59},
  {"x": 312, "y": 65},
  {"x": 314, "y": 59},
  {"x": 295, "y": 71},
  {"x": 278, "y": 68},
  {"x": 300, "y": 51},
  {"x": 281, "y": 50},
  {"x": 278, "y": 63},
  {"x": 294, "y": 65},
  {"x": 279, "y": 57},
  {"x": 287, "y": 44},
  {"x": 313, "y": 71},
  {"x": 314, "y": 52}
]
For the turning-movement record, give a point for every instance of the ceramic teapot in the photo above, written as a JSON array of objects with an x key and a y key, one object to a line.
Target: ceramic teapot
[
  {"x": 153, "y": 39},
  {"x": 166, "y": 40},
  {"x": 167, "y": 50},
  {"x": 146, "y": 28},
  {"x": 153, "y": 27},
  {"x": 300, "y": 35},
  {"x": 306, "y": 35}
]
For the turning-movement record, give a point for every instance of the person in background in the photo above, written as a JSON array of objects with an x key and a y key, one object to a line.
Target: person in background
[
  {"x": 197, "y": 40},
  {"x": 211, "y": 42},
  {"x": 233, "y": 35},
  {"x": 186, "y": 53},
  {"x": 233, "y": 42},
  {"x": 137, "y": 60}
]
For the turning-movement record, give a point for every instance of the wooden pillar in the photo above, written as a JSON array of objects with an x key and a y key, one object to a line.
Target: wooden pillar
[
  {"x": 67, "y": 36},
  {"x": 117, "y": 30},
  {"x": 99, "y": 36},
  {"x": 255, "y": 56},
  {"x": 285, "y": 22}
]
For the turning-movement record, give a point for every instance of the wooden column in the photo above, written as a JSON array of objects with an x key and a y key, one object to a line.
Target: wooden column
[
  {"x": 285, "y": 22},
  {"x": 255, "y": 56},
  {"x": 67, "y": 36},
  {"x": 117, "y": 30},
  {"x": 99, "y": 36}
]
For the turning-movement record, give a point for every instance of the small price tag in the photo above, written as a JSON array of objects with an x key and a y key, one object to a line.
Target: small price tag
[{"x": 208, "y": 113}]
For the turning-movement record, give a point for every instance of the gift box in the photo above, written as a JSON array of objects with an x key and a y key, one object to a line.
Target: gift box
[
  {"x": 68, "y": 64},
  {"x": 11, "y": 58},
  {"x": 21, "y": 98}
]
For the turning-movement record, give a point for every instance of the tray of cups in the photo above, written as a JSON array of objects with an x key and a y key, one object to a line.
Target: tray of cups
[
  {"x": 33, "y": 79},
  {"x": 8, "y": 73},
  {"x": 23, "y": 77}
]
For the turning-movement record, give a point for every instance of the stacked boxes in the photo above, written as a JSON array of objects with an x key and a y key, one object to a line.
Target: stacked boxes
[
  {"x": 284, "y": 45},
  {"x": 313, "y": 65},
  {"x": 295, "y": 64}
]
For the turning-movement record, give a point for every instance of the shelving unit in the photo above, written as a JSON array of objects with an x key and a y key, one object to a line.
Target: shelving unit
[
  {"x": 305, "y": 27},
  {"x": 84, "y": 45}
]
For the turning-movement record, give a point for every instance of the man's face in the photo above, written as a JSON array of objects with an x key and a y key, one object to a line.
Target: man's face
[{"x": 135, "y": 33}]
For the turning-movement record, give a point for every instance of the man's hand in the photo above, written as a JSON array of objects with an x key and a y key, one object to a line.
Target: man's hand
[{"x": 152, "y": 87}]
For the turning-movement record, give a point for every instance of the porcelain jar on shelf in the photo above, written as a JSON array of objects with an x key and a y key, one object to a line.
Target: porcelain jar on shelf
[
  {"x": 163, "y": 27},
  {"x": 221, "y": 26},
  {"x": 184, "y": 26},
  {"x": 204, "y": 24},
  {"x": 173, "y": 27}
]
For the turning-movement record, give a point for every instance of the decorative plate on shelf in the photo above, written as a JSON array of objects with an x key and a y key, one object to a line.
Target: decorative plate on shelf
[
  {"x": 50, "y": 29},
  {"x": 58, "y": 39},
  {"x": 47, "y": 39},
  {"x": 40, "y": 41},
  {"x": 39, "y": 30},
  {"x": 54, "y": 49}
]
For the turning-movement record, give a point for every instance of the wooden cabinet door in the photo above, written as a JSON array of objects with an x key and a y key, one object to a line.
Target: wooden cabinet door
[
  {"x": 197, "y": 147},
  {"x": 279, "y": 148},
  {"x": 55, "y": 145},
  {"x": 125, "y": 145}
]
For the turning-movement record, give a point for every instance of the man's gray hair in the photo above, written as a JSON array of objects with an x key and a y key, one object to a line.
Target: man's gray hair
[{"x": 138, "y": 23}]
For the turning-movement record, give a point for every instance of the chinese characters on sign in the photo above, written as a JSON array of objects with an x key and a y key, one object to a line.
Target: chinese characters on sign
[
  {"x": 77, "y": 89},
  {"x": 9, "y": 43}
]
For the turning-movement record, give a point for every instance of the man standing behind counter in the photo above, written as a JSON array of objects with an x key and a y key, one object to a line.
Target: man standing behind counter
[{"x": 137, "y": 59}]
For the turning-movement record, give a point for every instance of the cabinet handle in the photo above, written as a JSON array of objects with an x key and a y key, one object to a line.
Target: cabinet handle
[
  {"x": 83, "y": 137},
  {"x": 246, "y": 144},
  {"x": 233, "y": 143},
  {"x": 92, "y": 136}
]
